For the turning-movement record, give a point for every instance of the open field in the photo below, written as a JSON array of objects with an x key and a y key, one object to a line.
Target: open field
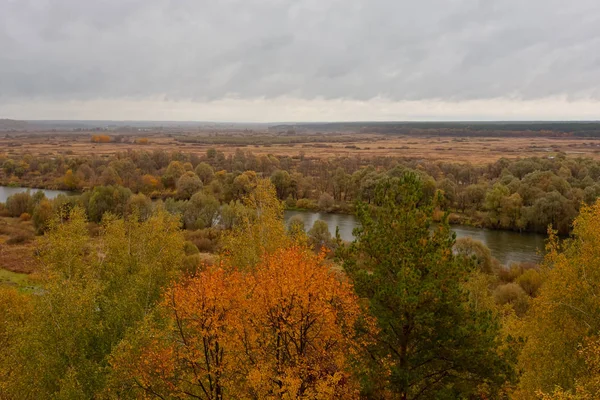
[{"x": 475, "y": 150}]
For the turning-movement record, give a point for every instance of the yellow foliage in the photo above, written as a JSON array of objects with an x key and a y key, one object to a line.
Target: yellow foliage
[
  {"x": 100, "y": 138},
  {"x": 566, "y": 312},
  {"x": 260, "y": 231}
]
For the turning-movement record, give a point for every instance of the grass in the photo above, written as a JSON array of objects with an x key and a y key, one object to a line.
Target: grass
[{"x": 14, "y": 279}]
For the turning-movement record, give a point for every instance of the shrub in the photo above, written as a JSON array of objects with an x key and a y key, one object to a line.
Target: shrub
[
  {"x": 192, "y": 264},
  {"x": 19, "y": 203},
  {"x": 19, "y": 237},
  {"x": 190, "y": 248},
  {"x": 205, "y": 240},
  {"x": 514, "y": 271},
  {"x": 290, "y": 202},
  {"x": 319, "y": 235},
  {"x": 140, "y": 204},
  {"x": 326, "y": 202},
  {"x": 530, "y": 281},
  {"x": 25, "y": 216},
  {"x": 107, "y": 199},
  {"x": 476, "y": 252},
  {"x": 305, "y": 204},
  {"x": 513, "y": 294}
]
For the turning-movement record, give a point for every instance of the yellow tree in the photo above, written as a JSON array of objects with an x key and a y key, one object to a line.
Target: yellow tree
[
  {"x": 299, "y": 329},
  {"x": 15, "y": 312},
  {"x": 93, "y": 291},
  {"x": 260, "y": 229},
  {"x": 588, "y": 385},
  {"x": 566, "y": 312}
]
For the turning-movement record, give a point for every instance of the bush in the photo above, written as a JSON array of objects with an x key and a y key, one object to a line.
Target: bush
[
  {"x": 201, "y": 211},
  {"x": 205, "y": 240},
  {"x": 326, "y": 202},
  {"x": 530, "y": 281},
  {"x": 25, "y": 216},
  {"x": 514, "y": 271},
  {"x": 319, "y": 235},
  {"x": 290, "y": 202},
  {"x": 306, "y": 204},
  {"x": 513, "y": 294},
  {"x": 107, "y": 199},
  {"x": 19, "y": 237},
  {"x": 190, "y": 248},
  {"x": 192, "y": 264},
  {"x": 19, "y": 203}
]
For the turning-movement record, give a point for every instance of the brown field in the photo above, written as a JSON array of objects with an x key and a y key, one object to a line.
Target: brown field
[{"x": 476, "y": 150}]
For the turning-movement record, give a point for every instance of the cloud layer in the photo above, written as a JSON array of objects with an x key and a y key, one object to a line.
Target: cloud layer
[{"x": 206, "y": 51}]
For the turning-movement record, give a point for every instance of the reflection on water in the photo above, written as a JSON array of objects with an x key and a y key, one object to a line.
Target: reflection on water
[
  {"x": 506, "y": 246},
  {"x": 6, "y": 191}
]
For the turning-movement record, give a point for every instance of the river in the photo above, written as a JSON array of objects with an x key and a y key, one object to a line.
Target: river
[
  {"x": 6, "y": 191},
  {"x": 506, "y": 246}
]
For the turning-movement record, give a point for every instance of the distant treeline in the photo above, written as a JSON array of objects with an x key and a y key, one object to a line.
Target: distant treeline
[{"x": 501, "y": 129}]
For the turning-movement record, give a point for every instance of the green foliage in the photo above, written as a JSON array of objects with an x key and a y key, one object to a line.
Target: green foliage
[
  {"x": 92, "y": 293},
  {"x": 319, "y": 236},
  {"x": 19, "y": 203},
  {"x": 260, "y": 231},
  {"x": 140, "y": 206},
  {"x": 42, "y": 214},
  {"x": 205, "y": 172},
  {"x": 104, "y": 199},
  {"x": 188, "y": 184},
  {"x": 201, "y": 211},
  {"x": 435, "y": 343},
  {"x": 476, "y": 252}
]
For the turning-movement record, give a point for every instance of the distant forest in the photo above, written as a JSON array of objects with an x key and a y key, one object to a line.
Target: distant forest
[
  {"x": 464, "y": 128},
  {"x": 501, "y": 129}
]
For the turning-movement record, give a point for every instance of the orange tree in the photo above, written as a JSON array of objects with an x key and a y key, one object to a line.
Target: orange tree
[{"x": 285, "y": 329}]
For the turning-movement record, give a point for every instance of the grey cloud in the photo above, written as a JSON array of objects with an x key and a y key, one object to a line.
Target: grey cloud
[{"x": 333, "y": 49}]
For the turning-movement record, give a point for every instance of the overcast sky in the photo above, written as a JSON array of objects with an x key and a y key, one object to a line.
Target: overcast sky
[{"x": 300, "y": 60}]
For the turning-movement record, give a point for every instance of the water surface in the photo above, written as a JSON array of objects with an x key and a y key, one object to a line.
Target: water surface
[
  {"x": 506, "y": 246},
  {"x": 6, "y": 191}
]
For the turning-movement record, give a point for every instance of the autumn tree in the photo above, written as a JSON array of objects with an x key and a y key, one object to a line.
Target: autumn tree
[
  {"x": 259, "y": 231},
  {"x": 15, "y": 312},
  {"x": 587, "y": 386},
  {"x": 282, "y": 330},
  {"x": 92, "y": 292},
  {"x": 565, "y": 315},
  {"x": 104, "y": 199},
  {"x": 172, "y": 174},
  {"x": 477, "y": 253},
  {"x": 188, "y": 184},
  {"x": 319, "y": 235},
  {"x": 433, "y": 343},
  {"x": 205, "y": 172}
]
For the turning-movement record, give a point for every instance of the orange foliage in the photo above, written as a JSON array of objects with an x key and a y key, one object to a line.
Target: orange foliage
[
  {"x": 142, "y": 141},
  {"x": 100, "y": 138},
  {"x": 149, "y": 182},
  {"x": 285, "y": 329}
]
